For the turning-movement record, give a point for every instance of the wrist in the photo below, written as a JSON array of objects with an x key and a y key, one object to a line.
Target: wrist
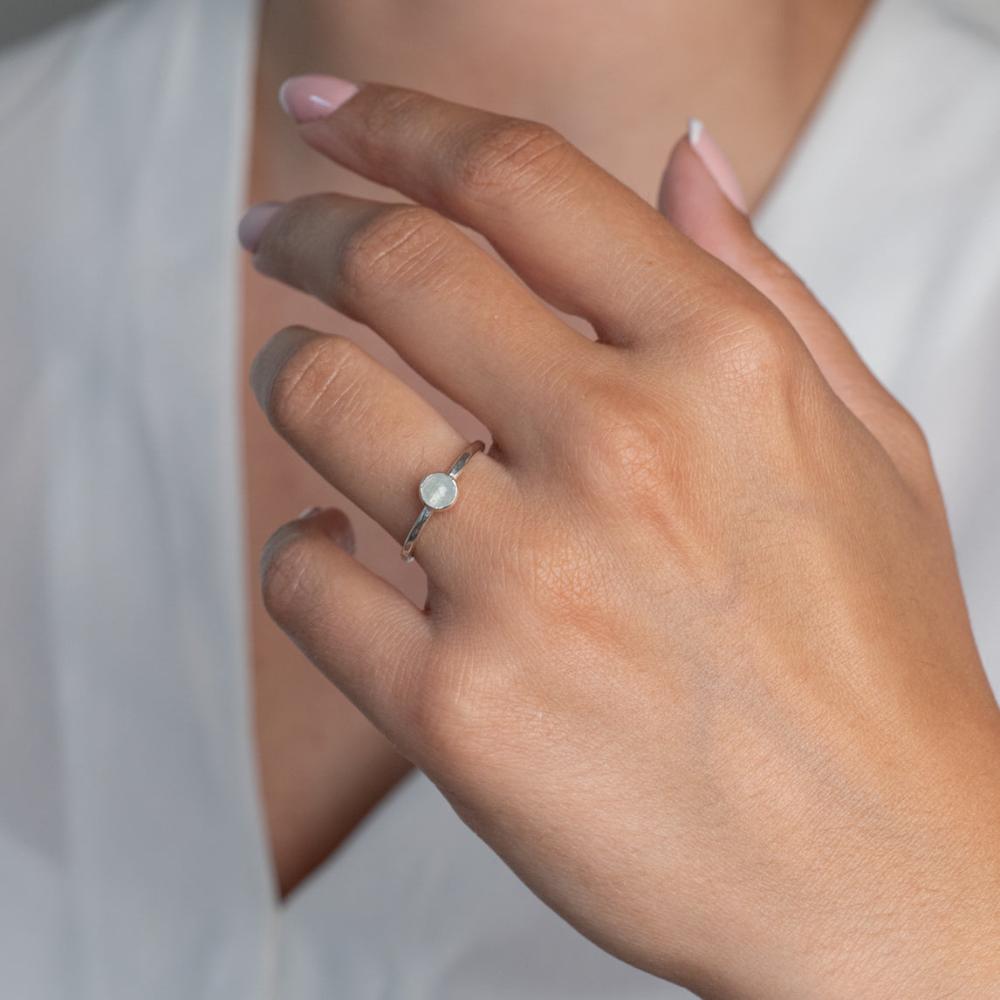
[
  {"x": 929, "y": 929},
  {"x": 919, "y": 918}
]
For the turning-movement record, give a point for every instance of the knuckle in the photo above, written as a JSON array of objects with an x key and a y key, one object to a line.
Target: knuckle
[
  {"x": 911, "y": 431},
  {"x": 322, "y": 373},
  {"x": 630, "y": 446},
  {"x": 772, "y": 271},
  {"x": 629, "y": 455},
  {"x": 754, "y": 356},
  {"x": 514, "y": 156},
  {"x": 395, "y": 245},
  {"x": 910, "y": 444}
]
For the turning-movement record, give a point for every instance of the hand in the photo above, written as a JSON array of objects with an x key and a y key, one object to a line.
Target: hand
[{"x": 695, "y": 659}]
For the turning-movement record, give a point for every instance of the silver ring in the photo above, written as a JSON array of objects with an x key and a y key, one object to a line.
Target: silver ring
[{"x": 438, "y": 491}]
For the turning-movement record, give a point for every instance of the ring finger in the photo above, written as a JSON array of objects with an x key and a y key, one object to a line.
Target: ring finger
[
  {"x": 458, "y": 317},
  {"x": 365, "y": 431}
]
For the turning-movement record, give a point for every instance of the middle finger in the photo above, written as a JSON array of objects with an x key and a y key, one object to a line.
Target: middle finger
[
  {"x": 580, "y": 237},
  {"x": 451, "y": 311},
  {"x": 370, "y": 435}
]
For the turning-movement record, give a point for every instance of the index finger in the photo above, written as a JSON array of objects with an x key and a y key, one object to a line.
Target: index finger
[{"x": 582, "y": 239}]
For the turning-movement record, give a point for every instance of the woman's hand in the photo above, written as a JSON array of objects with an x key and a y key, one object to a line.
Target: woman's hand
[{"x": 695, "y": 658}]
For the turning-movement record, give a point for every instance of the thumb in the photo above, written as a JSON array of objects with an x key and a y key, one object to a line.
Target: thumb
[{"x": 701, "y": 196}]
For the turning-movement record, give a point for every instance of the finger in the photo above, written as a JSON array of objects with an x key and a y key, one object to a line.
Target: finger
[
  {"x": 370, "y": 435},
  {"x": 449, "y": 309},
  {"x": 578, "y": 236},
  {"x": 706, "y": 211},
  {"x": 356, "y": 627}
]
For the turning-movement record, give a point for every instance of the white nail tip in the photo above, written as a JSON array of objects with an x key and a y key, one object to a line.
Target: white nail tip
[
  {"x": 695, "y": 128},
  {"x": 283, "y": 98}
]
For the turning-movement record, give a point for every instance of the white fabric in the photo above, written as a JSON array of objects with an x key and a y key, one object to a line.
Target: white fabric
[{"x": 132, "y": 858}]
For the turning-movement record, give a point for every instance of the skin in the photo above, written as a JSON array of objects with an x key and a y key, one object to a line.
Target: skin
[
  {"x": 753, "y": 71},
  {"x": 716, "y": 700}
]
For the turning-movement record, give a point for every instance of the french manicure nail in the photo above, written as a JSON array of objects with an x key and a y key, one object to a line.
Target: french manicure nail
[
  {"x": 308, "y": 512},
  {"x": 256, "y": 220},
  {"x": 310, "y": 98},
  {"x": 716, "y": 163}
]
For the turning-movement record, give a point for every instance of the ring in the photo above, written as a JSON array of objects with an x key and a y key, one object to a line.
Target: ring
[{"x": 437, "y": 491}]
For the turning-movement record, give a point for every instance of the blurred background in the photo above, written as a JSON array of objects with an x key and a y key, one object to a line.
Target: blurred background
[{"x": 20, "y": 18}]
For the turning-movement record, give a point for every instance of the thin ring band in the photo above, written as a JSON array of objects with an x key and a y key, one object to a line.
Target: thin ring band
[{"x": 438, "y": 491}]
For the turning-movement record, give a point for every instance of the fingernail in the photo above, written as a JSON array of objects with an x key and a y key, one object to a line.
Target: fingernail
[
  {"x": 253, "y": 224},
  {"x": 310, "y": 98},
  {"x": 337, "y": 526},
  {"x": 716, "y": 163},
  {"x": 344, "y": 534},
  {"x": 335, "y": 523}
]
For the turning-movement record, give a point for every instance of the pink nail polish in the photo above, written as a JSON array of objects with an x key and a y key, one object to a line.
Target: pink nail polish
[
  {"x": 256, "y": 220},
  {"x": 310, "y": 98},
  {"x": 716, "y": 163}
]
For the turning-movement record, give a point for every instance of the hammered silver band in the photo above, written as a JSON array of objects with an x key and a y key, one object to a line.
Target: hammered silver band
[{"x": 438, "y": 491}]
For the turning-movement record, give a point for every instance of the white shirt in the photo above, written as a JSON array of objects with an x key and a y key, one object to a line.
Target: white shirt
[{"x": 132, "y": 856}]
